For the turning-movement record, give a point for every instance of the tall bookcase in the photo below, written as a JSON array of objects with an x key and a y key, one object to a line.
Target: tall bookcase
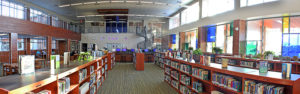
[
  {"x": 92, "y": 72},
  {"x": 159, "y": 59},
  {"x": 186, "y": 77}
]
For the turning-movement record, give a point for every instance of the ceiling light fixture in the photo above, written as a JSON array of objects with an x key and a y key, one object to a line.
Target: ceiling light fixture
[
  {"x": 86, "y": 3},
  {"x": 76, "y": 4},
  {"x": 138, "y": 15}
]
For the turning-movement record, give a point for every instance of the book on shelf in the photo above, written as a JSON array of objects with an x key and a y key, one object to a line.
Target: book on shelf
[
  {"x": 98, "y": 64},
  {"x": 251, "y": 87},
  {"x": 200, "y": 73},
  {"x": 263, "y": 66},
  {"x": 82, "y": 74},
  {"x": 98, "y": 83},
  {"x": 26, "y": 64},
  {"x": 175, "y": 84},
  {"x": 226, "y": 81},
  {"x": 168, "y": 78},
  {"x": 83, "y": 89},
  {"x": 202, "y": 60},
  {"x": 185, "y": 68},
  {"x": 286, "y": 70},
  {"x": 175, "y": 74},
  {"x": 198, "y": 87},
  {"x": 92, "y": 79},
  {"x": 167, "y": 70},
  {"x": 92, "y": 69},
  {"x": 42, "y": 92},
  {"x": 99, "y": 74},
  {"x": 178, "y": 54},
  {"x": 185, "y": 90},
  {"x": 63, "y": 85},
  {"x": 66, "y": 58},
  {"x": 216, "y": 92},
  {"x": 207, "y": 60},
  {"x": 224, "y": 63},
  {"x": 184, "y": 55},
  {"x": 93, "y": 89},
  {"x": 185, "y": 79}
]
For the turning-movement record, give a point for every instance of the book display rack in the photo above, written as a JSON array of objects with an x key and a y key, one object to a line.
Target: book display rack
[
  {"x": 138, "y": 61},
  {"x": 189, "y": 77},
  {"x": 80, "y": 77},
  {"x": 273, "y": 65},
  {"x": 159, "y": 59}
]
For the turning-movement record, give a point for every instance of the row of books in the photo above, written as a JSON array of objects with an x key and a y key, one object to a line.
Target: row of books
[
  {"x": 92, "y": 69},
  {"x": 168, "y": 62},
  {"x": 82, "y": 74},
  {"x": 185, "y": 68},
  {"x": 167, "y": 70},
  {"x": 168, "y": 78},
  {"x": 185, "y": 79},
  {"x": 251, "y": 87},
  {"x": 197, "y": 87},
  {"x": 175, "y": 74},
  {"x": 175, "y": 64},
  {"x": 226, "y": 81},
  {"x": 92, "y": 79},
  {"x": 200, "y": 73},
  {"x": 83, "y": 89},
  {"x": 249, "y": 64},
  {"x": 93, "y": 89},
  {"x": 185, "y": 90},
  {"x": 99, "y": 75},
  {"x": 175, "y": 84},
  {"x": 63, "y": 85},
  {"x": 232, "y": 62}
]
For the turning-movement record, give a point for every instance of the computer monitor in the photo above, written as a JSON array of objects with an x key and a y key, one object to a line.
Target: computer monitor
[
  {"x": 132, "y": 50},
  {"x": 118, "y": 49},
  {"x": 124, "y": 50},
  {"x": 154, "y": 50},
  {"x": 146, "y": 50}
]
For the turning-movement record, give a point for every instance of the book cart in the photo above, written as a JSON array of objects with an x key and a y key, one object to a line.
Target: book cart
[
  {"x": 84, "y": 77},
  {"x": 186, "y": 77},
  {"x": 274, "y": 65}
]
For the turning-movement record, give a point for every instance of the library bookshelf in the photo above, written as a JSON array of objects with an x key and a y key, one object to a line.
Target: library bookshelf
[
  {"x": 273, "y": 65},
  {"x": 183, "y": 76},
  {"x": 95, "y": 73},
  {"x": 159, "y": 59},
  {"x": 138, "y": 61}
]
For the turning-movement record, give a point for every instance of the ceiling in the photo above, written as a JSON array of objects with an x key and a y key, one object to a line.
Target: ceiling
[{"x": 91, "y": 9}]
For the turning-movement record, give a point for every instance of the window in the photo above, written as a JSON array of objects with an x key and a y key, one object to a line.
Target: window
[
  {"x": 11, "y": 9},
  {"x": 254, "y": 37},
  {"x": 39, "y": 17},
  {"x": 211, "y": 38},
  {"x": 20, "y": 44},
  {"x": 291, "y": 40},
  {"x": 53, "y": 44},
  {"x": 56, "y": 22},
  {"x": 220, "y": 36},
  {"x": 229, "y": 38},
  {"x": 191, "y": 14},
  {"x": 273, "y": 35},
  {"x": 38, "y": 44},
  {"x": 191, "y": 39},
  {"x": 214, "y": 7},
  {"x": 174, "y": 21},
  {"x": 4, "y": 43},
  {"x": 245, "y": 3}
]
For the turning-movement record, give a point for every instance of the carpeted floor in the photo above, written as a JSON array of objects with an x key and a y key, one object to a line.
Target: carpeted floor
[{"x": 123, "y": 79}]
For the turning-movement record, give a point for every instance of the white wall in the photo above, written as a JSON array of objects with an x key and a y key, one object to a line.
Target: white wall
[
  {"x": 129, "y": 40},
  {"x": 277, "y": 8}
]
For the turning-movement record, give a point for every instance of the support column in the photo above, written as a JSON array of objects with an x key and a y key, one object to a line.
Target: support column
[
  {"x": 49, "y": 47},
  {"x": 202, "y": 38},
  {"x": 13, "y": 41},
  {"x": 28, "y": 14},
  {"x": 68, "y": 45},
  {"x": 28, "y": 50},
  {"x": 239, "y": 37},
  {"x": 181, "y": 40}
]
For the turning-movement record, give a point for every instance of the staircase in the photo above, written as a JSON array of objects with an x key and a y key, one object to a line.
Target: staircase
[{"x": 147, "y": 35}]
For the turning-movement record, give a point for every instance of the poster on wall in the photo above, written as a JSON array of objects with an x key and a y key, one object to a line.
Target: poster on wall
[
  {"x": 26, "y": 63},
  {"x": 211, "y": 34}
]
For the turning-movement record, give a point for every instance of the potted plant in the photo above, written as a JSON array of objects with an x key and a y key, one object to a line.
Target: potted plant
[
  {"x": 269, "y": 55},
  {"x": 258, "y": 56},
  {"x": 217, "y": 50},
  {"x": 191, "y": 48},
  {"x": 84, "y": 56},
  {"x": 196, "y": 55}
]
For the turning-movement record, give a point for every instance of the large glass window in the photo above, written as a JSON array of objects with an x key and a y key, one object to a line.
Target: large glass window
[
  {"x": 53, "y": 44},
  {"x": 214, "y": 7},
  {"x": 174, "y": 21},
  {"x": 190, "y": 14},
  {"x": 245, "y": 3},
  {"x": 38, "y": 44},
  {"x": 39, "y": 17},
  {"x": 11, "y": 9},
  {"x": 273, "y": 35},
  {"x": 291, "y": 40},
  {"x": 229, "y": 38},
  {"x": 220, "y": 36},
  {"x": 254, "y": 36},
  {"x": 191, "y": 39},
  {"x": 211, "y": 38},
  {"x": 4, "y": 43}
]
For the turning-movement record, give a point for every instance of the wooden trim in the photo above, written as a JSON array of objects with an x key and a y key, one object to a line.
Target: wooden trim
[{"x": 13, "y": 25}]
